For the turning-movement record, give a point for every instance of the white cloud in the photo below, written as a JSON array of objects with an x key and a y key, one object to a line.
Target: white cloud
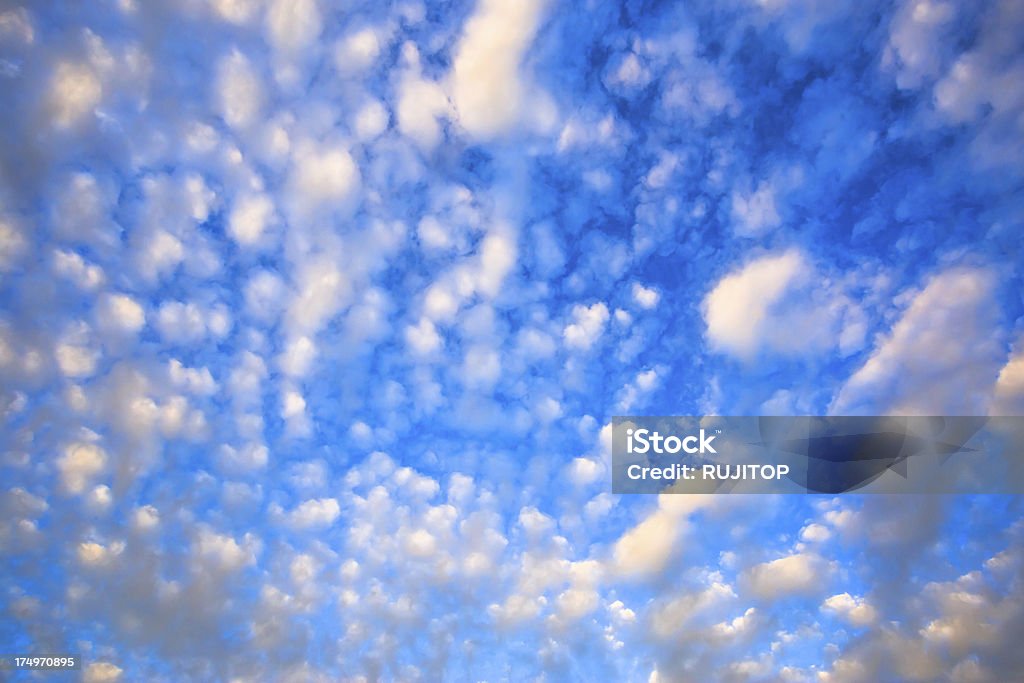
[
  {"x": 245, "y": 459},
  {"x": 292, "y": 405},
  {"x": 17, "y": 24},
  {"x": 815, "y": 533},
  {"x": 13, "y": 243},
  {"x": 297, "y": 357},
  {"x": 102, "y": 672},
  {"x": 250, "y": 217},
  {"x": 575, "y": 603},
  {"x": 146, "y": 518},
  {"x": 239, "y": 91},
  {"x": 303, "y": 569},
  {"x": 432, "y": 235},
  {"x": 536, "y": 344},
  {"x": 497, "y": 256},
  {"x": 357, "y": 51},
  {"x": 81, "y": 211},
  {"x": 181, "y": 322},
  {"x": 754, "y": 213},
  {"x": 645, "y": 297},
  {"x": 793, "y": 574},
  {"x": 323, "y": 290},
  {"x": 737, "y": 627},
  {"x": 917, "y": 41},
  {"x": 481, "y": 367},
  {"x": 73, "y": 267},
  {"x": 323, "y": 177},
  {"x": 292, "y": 25},
  {"x": 587, "y": 326},
  {"x": 119, "y": 313},
  {"x": 158, "y": 253},
  {"x": 422, "y": 338},
  {"x": 265, "y": 294},
  {"x": 599, "y": 506},
  {"x": 370, "y": 121},
  {"x": 236, "y": 11},
  {"x": 535, "y": 522},
  {"x": 97, "y": 555},
  {"x": 194, "y": 380},
  {"x": 647, "y": 547},
  {"x": 669, "y": 618},
  {"x": 584, "y": 471},
  {"x": 18, "y": 501},
  {"x": 634, "y": 393},
  {"x": 221, "y": 552},
  {"x": 487, "y": 87},
  {"x": 316, "y": 512},
  {"x": 979, "y": 88},
  {"x": 621, "y": 613},
  {"x": 100, "y": 498},
  {"x": 696, "y": 88},
  {"x": 736, "y": 309},
  {"x": 420, "y": 544},
  {"x": 420, "y": 104},
  {"x": 517, "y": 609},
  {"x": 941, "y": 358},
  {"x": 854, "y": 610},
  {"x": 440, "y": 303},
  {"x": 75, "y": 90},
  {"x": 627, "y": 71},
  {"x": 547, "y": 410},
  {"x": 187, "y": 323},
  {"x": 1008, "y": 398},
  {"x": 80, "y": 464},
  {"x": 76, "y": 361}
]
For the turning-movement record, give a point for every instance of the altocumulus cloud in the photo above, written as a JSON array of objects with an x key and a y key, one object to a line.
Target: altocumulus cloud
[{"x": 313, "y": 320}]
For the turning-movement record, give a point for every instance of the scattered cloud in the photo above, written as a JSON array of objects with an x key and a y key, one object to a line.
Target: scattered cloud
[{"x": 313, "y": 321}]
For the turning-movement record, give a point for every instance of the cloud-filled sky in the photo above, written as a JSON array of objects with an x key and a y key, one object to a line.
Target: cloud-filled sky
[{"x": 314, "y": 316}]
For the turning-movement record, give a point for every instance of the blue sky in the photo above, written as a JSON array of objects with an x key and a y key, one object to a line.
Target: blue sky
[{"x": 313, "y": 320}]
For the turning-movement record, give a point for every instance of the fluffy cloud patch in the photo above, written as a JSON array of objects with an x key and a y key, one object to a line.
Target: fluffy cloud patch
[
  {"x": 1008, "y": 398},
  {"x": 120, "y": 313},
  {"x": 645, "y": 297},
  {"x": 487, "y": 86},
  {"x": 357, "y": 51},
  {"x": 250, "y": 217},
  {"x": 319, "y": 512},
  {"x": 940, "y": 358},
  {"x": 420, "y": 105},
  {"x": 233, "y": 265},
  {"x": 102, "y": 672},
  {"x": 916, "y": 41},
  {"x": 322, "y": 178},
  {"x": 815, "y": 533},
  {"x": 587, "y": 326},
  {"x": 76, "y": 361},
  {"x": 221, "y": 552},
  {"x": 647, "y": 548},
  {"x": 854, "y": 610},
  {"x": 754, "y": 213},
  {"x": 800, "y": 573},
  {"x": 240, "y": 93},
  {"x": 292, "y": 25},
  {"x": 737, "y": 309},
  {"x": 74, "y": 92},
  {"x": 783, "y": 304},
  {"x": 80, "y": 464}
]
